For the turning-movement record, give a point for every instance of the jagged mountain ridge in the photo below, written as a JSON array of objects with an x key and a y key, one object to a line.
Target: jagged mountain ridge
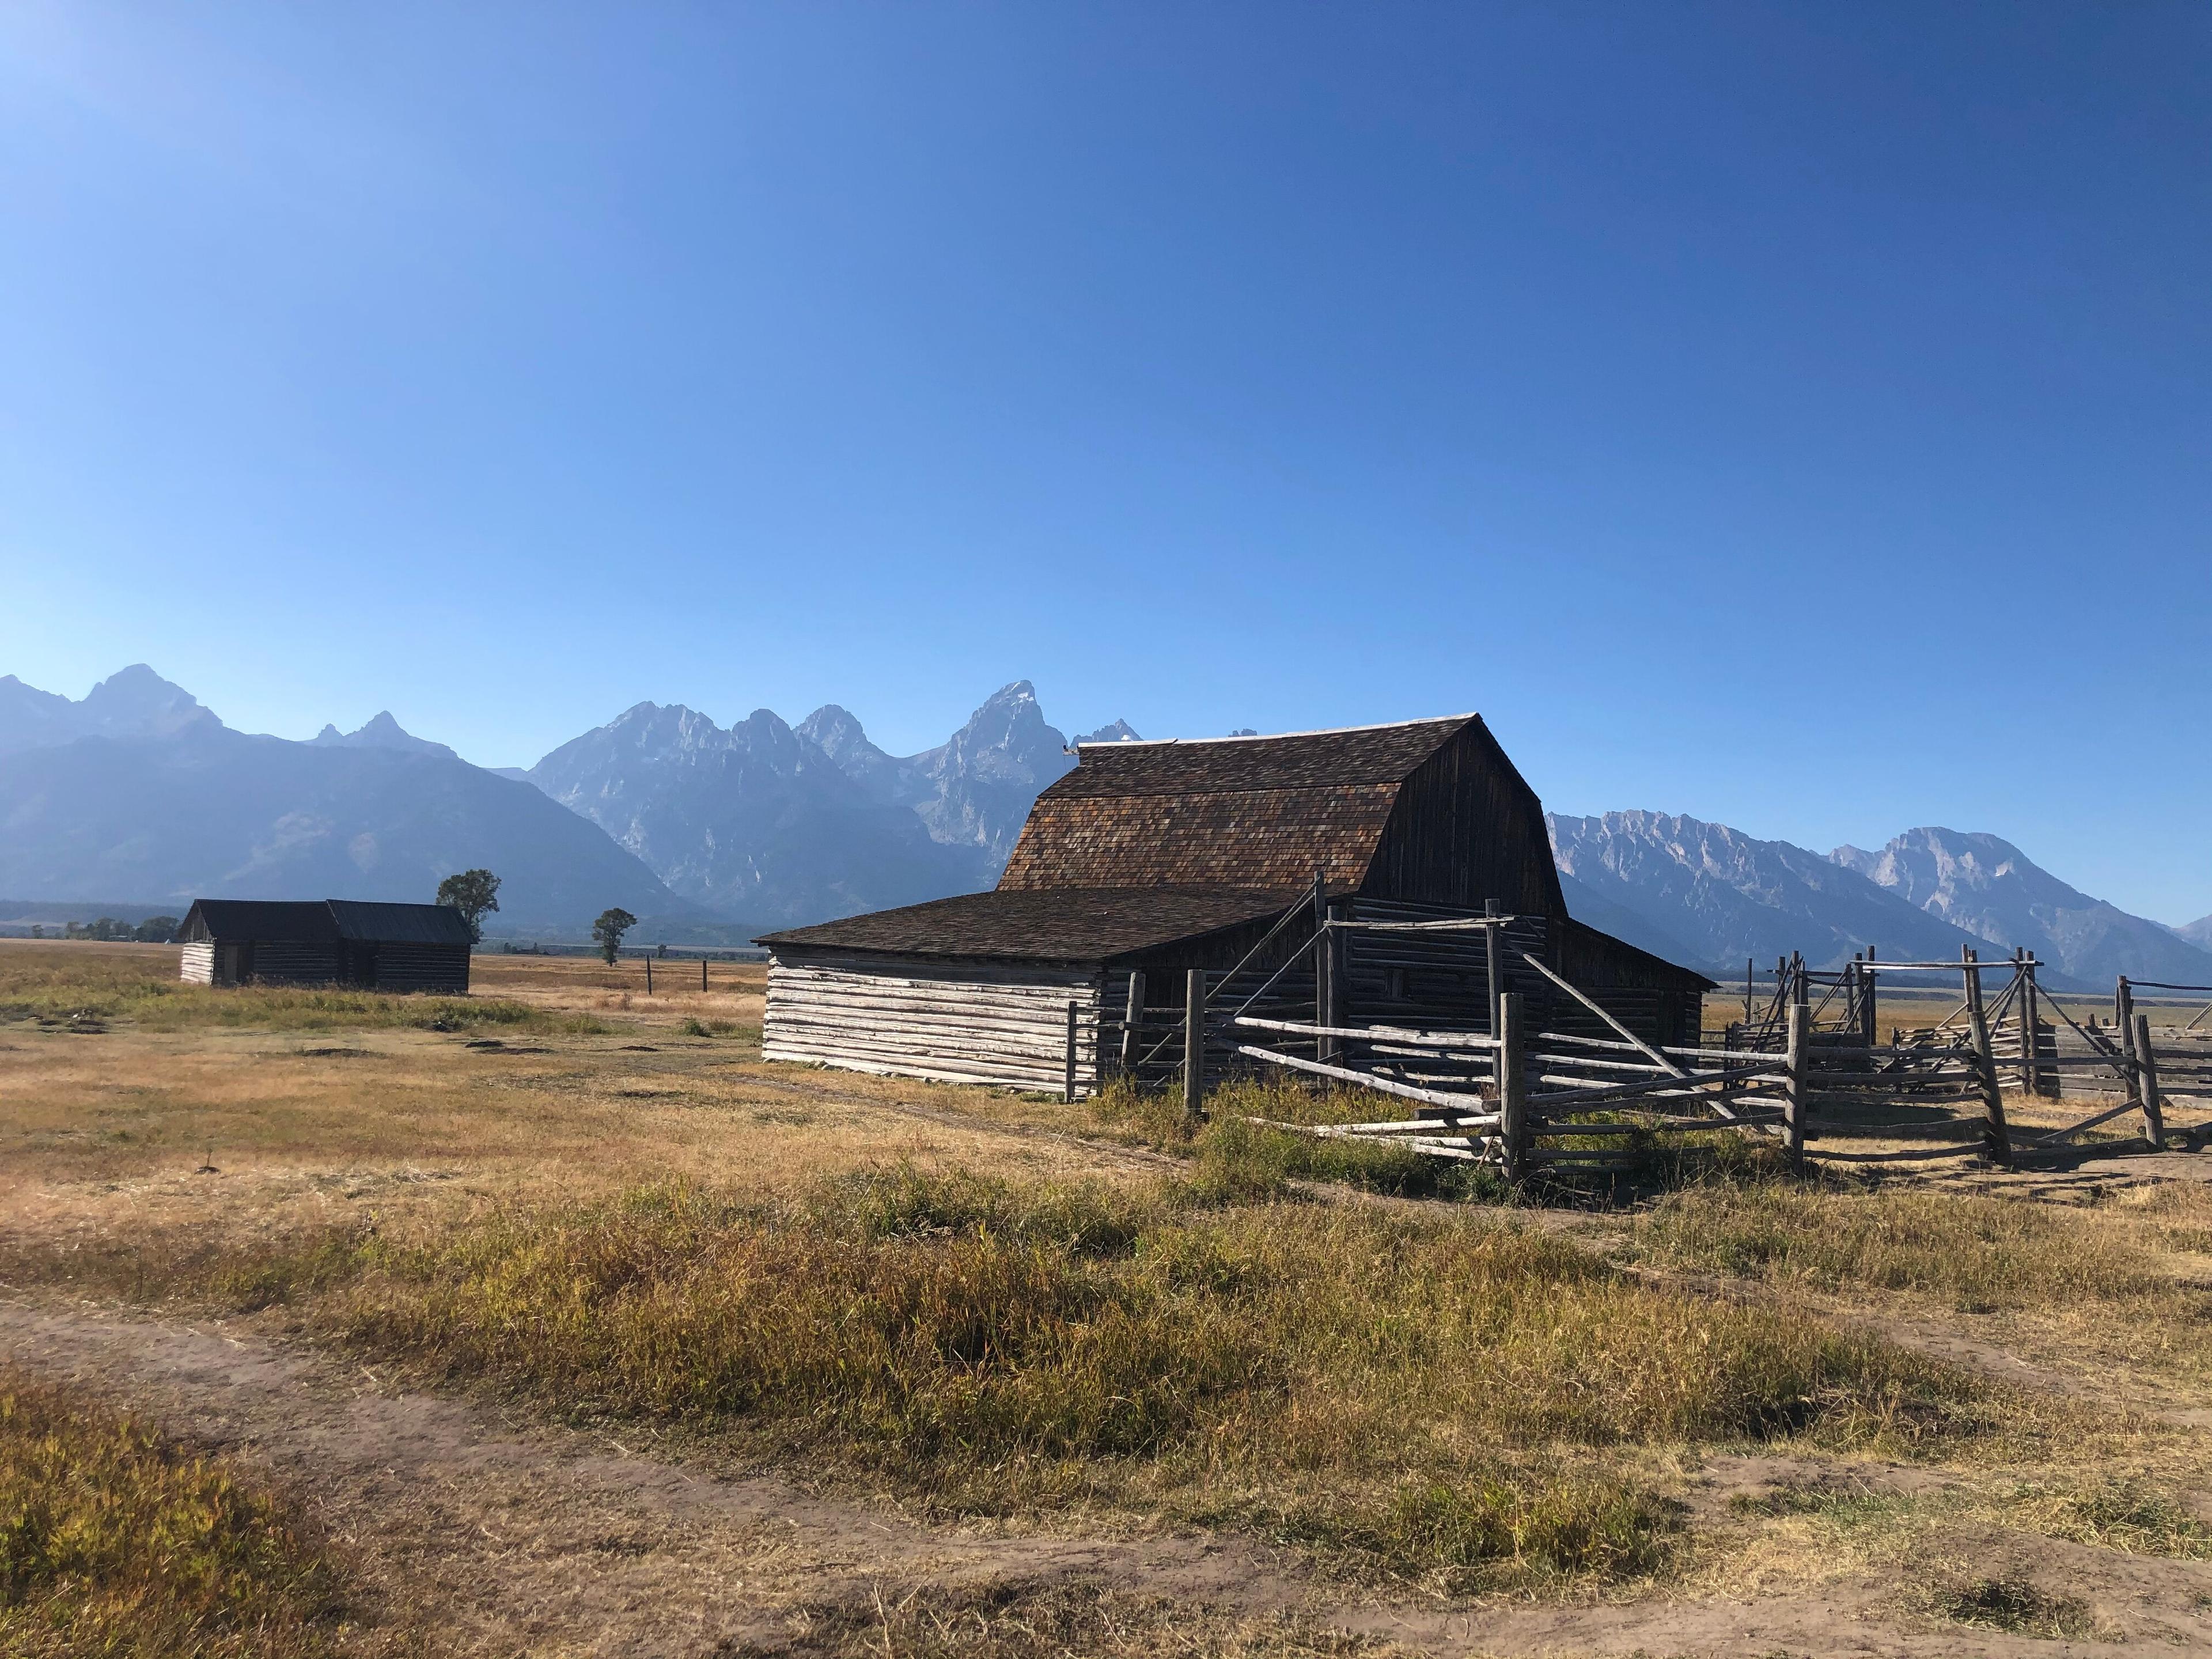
[
  {"x": 1990, "y": 889},
  {"x": 382, "y": 732},
  {"x": 800, "y": 823},
  {"x": 205, "y": 812},
  {"x": 133, "y": 702},
  {"x": 1728, "y": 896}
]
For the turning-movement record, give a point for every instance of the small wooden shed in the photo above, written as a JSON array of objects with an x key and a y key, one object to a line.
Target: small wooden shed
[
  {"x": 1151, "y": 858},
  {"x": 381, "y": 947}
]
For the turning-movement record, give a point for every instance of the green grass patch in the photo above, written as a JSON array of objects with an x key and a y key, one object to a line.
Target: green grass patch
[{"x": 116, "y": 1542}]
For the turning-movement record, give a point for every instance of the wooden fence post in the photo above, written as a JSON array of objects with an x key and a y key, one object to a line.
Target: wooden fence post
[
  {"x": 1793, "y": 1090},
  {"x": 1493, "y": 961},
  {"x": 1133, "y": 1015},
  {"x": 1870, "y": 1006},
  {"x": 1068, "y": 1091},
  {"x": 648, "y": 976},
  {"x": 1193, "y": 1044},
  {"x": 1324, "y": 1048},
  {"x": 1512, "y": 1086},
  {"x": 2123, "y": 1016},
  {"x": 1996, "y": 1136},
  {"x": 703, "y": 973},
  {"x": 2153, "y": 1108}
]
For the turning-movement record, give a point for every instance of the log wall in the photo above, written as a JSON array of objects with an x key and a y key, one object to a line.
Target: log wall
[
  {"x": 196, "y": 964},
  {"x": 440, "y": 968},
  {"x": 1002, "y": 1024}
]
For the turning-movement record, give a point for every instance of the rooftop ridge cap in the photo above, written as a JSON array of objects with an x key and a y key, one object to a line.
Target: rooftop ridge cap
[{"x": 1272, "y": 737}]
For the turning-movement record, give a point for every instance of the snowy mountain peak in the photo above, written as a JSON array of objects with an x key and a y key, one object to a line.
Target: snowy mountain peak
[
  {"x": 1988, "y": 887},
  {"x": 1119, "y": 732}
]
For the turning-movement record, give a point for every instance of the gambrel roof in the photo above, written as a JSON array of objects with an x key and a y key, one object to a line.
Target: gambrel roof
[{"x": 1250, "y": 812}]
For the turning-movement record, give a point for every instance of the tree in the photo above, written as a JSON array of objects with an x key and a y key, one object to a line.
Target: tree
[
  {"x": 608, "y": 930},
  {"x": 156, "y": 930},
  {"x": 473, "y": 893}
]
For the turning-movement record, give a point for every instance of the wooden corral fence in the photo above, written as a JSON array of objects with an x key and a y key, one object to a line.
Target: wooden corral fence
[{"x": 1555, "y": 1080}]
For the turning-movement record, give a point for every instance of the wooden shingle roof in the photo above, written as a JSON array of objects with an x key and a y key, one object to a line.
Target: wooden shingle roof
[
  {"x": 1076, "y": 925},
  {"x": 1251, "y": 812}
]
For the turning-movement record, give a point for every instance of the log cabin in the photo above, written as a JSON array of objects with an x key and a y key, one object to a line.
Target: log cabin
[
  {"x": 1152, "y": 859},
  {"x": 378, "y": 947}
]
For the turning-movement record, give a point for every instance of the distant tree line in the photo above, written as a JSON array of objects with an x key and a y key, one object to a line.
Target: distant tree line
[{"x": 155, "y": 930}]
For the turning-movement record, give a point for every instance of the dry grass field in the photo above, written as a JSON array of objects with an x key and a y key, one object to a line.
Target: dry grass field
[{"x": 552, "y": 1321}]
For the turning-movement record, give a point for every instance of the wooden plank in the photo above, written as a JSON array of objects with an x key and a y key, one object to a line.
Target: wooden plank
[
  {"x": 1380, "y": 1084},
  {"x": 1793, "y": 1087},
  {"x": 1512, "y": 1085},
  {"x": 1405, "y": 1036},
  {"x": 1193, "y": 1044},
  {"x": 1910, "y": 1155},
  {"x": 2153, "y": 1108}
]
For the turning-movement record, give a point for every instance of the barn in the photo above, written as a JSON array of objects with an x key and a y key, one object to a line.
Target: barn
[
  {"x": 379, "y": 947},
  {"x": 1151, "y": 859}
]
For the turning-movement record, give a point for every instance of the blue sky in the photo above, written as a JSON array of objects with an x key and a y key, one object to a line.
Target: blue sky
[{"x": 1791, "y": 415}]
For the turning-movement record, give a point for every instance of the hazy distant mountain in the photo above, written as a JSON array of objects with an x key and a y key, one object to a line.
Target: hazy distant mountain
[
  {"x": 2197, "y": 932},
  {"x": 756, "y": 821},
  {"x": 806, "y": 823},
  {"x": 1586, "y": 904},
  {"x": 136, "y": 703},
  {"x": 1728, "y": 896},
  {"x": 204, "y": 810},
  {"x": 1993, "y": 890},
  {"x": 381, "y": 733}
]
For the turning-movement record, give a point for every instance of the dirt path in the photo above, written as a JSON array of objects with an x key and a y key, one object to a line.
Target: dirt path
[{"x": 513, "y": 1538}]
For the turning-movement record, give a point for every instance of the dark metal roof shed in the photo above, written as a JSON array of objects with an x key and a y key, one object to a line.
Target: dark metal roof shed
[
  {"x": 363, "y": 923},
  {"x": 323, "y": 921}
]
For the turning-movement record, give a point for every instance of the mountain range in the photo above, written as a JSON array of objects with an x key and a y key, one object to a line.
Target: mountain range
[
  {"x": 1706, "y": 893},
  {"x": 704, "y": 833},
  {"x": 709, "y": 834},
  {"x": 782, "y": 824}
]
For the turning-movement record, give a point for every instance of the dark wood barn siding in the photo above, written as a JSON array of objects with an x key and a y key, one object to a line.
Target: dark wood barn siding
[
  {"x": 281, "y": 962},
  {"x": 1467, "y": 828},
  {"x": 1657, "y": 1000},
  {"x": 437, "y": 967},
  {"x": 1438, "y": 980}
]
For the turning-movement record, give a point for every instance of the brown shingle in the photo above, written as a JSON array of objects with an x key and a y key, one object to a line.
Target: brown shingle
[
  {"x": 1244, "y": 811},
  {"x": 1308, "y": 760},
  {"x": 1059, "y": 925}
]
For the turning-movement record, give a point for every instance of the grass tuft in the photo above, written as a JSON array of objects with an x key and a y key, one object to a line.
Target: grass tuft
[
  {"x": 2016, "y": 1606},
  {"x": 116, "y": 1542}
]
